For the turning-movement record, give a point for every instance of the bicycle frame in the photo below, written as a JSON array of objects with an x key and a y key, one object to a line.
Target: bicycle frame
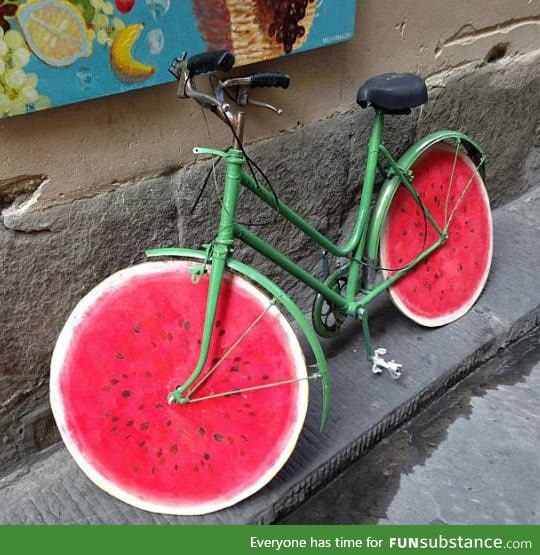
[{"x": 361, "y": 248}]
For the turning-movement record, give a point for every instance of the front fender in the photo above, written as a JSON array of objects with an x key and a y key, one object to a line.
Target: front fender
[
  {"x": 282, "y": 298},
  {"x": 391, "y": 185}
]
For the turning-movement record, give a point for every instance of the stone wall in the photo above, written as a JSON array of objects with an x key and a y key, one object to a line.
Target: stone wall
[{"x": 51, "y": 256}]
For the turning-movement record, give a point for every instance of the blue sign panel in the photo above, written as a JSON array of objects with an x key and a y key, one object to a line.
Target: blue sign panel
[{"x": 55, "y": 52}]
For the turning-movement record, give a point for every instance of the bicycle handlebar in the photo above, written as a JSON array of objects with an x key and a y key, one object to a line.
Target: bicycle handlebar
[{"x": 208, "y": 62}]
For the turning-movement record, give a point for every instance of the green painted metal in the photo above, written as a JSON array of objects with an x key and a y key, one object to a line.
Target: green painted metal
[
  {"x": 219, "y": 254},
  {"x": 289, "y": 266},
  {"x": 365, "y": 202},
  {"x": 362, "y": 245},
  {"x": 391, "y": 185},
  {"x": 288, "y": 304}
]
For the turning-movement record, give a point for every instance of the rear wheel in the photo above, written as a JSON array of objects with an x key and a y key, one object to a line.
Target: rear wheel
[
  {"x": 444, "y": 286},
  {"x": 133, "y": 340}
]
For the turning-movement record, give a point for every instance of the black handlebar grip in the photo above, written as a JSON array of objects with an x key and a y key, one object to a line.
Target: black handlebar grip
[
  {"x": 215, "y": 60},
  {"x": 270, "y": 80}
]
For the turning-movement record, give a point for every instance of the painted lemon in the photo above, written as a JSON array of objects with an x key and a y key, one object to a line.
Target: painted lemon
[
  {"x": 55, "y": 31},
  {"x": 126, "y": 68}
]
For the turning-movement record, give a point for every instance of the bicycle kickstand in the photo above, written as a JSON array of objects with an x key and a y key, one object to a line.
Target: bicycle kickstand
[{"x": 375, "y": 356}]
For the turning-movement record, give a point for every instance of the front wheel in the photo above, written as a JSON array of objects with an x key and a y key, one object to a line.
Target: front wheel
[
  {"x": 444, "y": 286},
  {"x": 134, "y": 339}
]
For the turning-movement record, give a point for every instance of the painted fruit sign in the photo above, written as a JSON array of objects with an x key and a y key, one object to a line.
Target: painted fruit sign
[{"x": 55, "y": 52}]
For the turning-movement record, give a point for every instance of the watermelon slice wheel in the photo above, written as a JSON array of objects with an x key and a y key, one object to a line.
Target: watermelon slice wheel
[
  {"x": 445, "y": 285},
  {"x": 132, "y": 340}
]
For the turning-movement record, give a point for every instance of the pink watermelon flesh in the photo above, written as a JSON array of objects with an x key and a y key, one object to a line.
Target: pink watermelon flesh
[
  {"x": 137, "y": 341},
  {"x": 445, "y": 285}
]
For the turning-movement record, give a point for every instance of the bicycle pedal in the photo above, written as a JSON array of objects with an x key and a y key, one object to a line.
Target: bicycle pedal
[{"x": 379, "y": 364}]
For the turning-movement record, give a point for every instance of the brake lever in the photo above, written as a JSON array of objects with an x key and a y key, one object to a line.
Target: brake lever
[{"x": 260, "y": 104}]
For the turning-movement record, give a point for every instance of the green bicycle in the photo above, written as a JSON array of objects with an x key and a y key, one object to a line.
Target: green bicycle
[{"x": 179, "y": 385}]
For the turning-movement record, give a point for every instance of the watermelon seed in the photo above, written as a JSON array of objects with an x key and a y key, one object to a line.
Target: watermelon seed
[
  {"x": 265, "y": 376},
  {"x": 125, "y": 376},
  {"x": 221, "y": 333},
  {"x": 148, "y": 374},
  {"x": 126, "y": 393},
  {"x": 201, "y": 463},
  {"x": 214, "y": 360},
  {"x": 169, "y": 423},
  {"x": 180, "y": 322},
  {"x": 436, "y": 275},
  {"x": 242, "y": 436},
  {"x": 235, "y": 368},
  {"x": 128, "y": 436},
  {"x": 136, "y": 329},
  {"x": 145, "y": 426},
  {"x": 237, "y": 359},
  {"x": 218, "y": 323},
  {"x": 202, "y": 431},
  {"x": 114, "y": 382},
  {"x": 154, "y": 344},
  {"x": 174, "y": 448},
  {"x": 218, "y": 437},
  {"x": 199, "y": 341},
  {"x": 159, "y": 453},
  {"x": 115, "y": 419},
  {"x": 187, "y": 325},
  {"x": 142, "y": 444},
  {"x": 206, "y": 456},
  {"x": 119, "y": 356},
  {"x": 176, "y": 467},
  {"x": 400, "y": 260},
  {"x": 114, "y": 429},
  {"x": 247, "y": 405},
  {"x": 404, "y": 232},
  {"x": 159, "y": 406},
  {"x": 169, "y": 336},
  {"x": 141, "y": 407}
]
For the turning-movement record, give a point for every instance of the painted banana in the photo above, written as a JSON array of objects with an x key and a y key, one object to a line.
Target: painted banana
[{"x": 126, "y": 68}]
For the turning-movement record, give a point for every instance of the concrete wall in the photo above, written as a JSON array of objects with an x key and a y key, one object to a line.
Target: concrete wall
[
  {"x": 119, "y": 176},
  {"x": 94, "y": 146}
]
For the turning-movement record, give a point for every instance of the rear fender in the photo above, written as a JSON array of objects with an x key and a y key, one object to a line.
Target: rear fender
[{"x": 391, "y": 185}]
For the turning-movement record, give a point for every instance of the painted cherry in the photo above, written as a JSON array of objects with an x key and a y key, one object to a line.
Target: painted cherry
[{"x": 125, "y": 6}]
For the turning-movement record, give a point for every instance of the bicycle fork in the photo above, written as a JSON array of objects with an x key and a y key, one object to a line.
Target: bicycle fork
[{"x": 218, "y": 253}]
